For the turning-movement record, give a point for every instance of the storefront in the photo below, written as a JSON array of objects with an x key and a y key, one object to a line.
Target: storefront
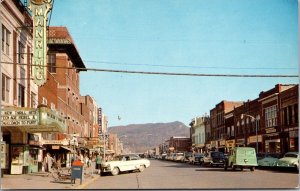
[
  {"x": 271, "y": 142},
  {"x": 252, "y": 140},
  {"x": 21, "y": 128},
  {"x": 229, "y": 144}
]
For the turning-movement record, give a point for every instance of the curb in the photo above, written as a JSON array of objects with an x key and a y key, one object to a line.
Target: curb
[{"x": 87, "y": 182}]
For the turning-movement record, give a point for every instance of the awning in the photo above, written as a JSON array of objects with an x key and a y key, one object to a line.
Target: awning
[{"x": 68, "y": 148}]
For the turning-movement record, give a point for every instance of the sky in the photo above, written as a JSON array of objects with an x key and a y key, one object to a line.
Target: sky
[{"x": 183, "y": 36}]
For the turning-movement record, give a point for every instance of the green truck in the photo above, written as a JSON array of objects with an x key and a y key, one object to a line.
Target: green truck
[{"x": 241, "y": 157}]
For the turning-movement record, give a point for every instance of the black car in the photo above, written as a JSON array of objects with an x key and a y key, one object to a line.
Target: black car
[
  {"x": 214, "y": 158},
  {"x": 196, "y": 158}
]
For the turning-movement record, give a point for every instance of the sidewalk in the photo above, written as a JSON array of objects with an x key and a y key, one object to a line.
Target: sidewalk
[{"x": 41, "y": 180}]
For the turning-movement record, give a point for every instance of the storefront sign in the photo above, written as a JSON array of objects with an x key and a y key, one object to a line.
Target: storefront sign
[
  {"x": 16, "y": 117},
  {"x": 51, "y": 120},
  {"x": 40, "y": 9},
  {"x": 252, "y": 139},
  {"x": 55, "y": 142},
  {"x": 230, "y": 143},
  {"x": 270, "y": 130}
]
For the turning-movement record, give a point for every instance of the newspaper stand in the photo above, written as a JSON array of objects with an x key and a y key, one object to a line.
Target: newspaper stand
[{"x": 77, "y": 171}]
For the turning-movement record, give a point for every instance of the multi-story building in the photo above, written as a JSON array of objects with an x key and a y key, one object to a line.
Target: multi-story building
[
  {"x": 61, "y": 94},
  {"x": 289, "y": 115},
  {"x": 268, "y": 123},
  {"x": 217, "y": 122},
  {"x": 198, "y": 125},
  {"x": 271, "y": 120},
  {"x": 179, "y": 144},
  {"x": 229, "y": 128},
  {"x": 20, "y": 137},
  {"x": 247, "y": 124}
]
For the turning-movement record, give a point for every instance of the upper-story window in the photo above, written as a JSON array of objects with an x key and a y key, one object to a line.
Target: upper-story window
[
  {"x": 271, "y": 116},
  {"x": 5, "y": 88},
  {"x": 21, "y": 53},
  {"x": 33, "y": 100},
  {"x": 52, "y": 63},
  {"x": 21, "y": 96},
  {"x": 5, "y": 40}
]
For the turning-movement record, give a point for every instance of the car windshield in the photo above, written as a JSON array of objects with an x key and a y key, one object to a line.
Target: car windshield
[
  {"x": 217, "y": 154},
  {"x": 179, "y": 154},
  {"x": 292, "y": 155}
]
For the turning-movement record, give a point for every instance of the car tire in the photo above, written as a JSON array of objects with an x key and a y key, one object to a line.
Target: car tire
[
  {"x": 252, "y": 168},
  {"x": 225, "y": 166},
  {"x": 232, "y": 167},
  {"x": 141, "y": 168},
  {"x": 115, "y": 171}
]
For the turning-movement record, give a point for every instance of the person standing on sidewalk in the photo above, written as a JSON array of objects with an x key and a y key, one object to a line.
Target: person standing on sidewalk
[
  {"x": 98, "y": 163},
  {"x": 50, "y": 162}
]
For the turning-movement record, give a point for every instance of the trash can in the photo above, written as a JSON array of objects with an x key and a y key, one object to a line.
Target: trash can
[{"x": 77, "y": 171}]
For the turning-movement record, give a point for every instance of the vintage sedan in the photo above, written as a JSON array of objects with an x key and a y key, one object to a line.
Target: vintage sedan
[
  {"x": 268, "y": 160},
  {"x": 290, "y": 159},
  {"x": 129, "y": 162},
  {"x": 214, "y": 158}
]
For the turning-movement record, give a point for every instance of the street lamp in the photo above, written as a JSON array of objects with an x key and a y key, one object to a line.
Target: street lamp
[{"x": 242, "y": 116}]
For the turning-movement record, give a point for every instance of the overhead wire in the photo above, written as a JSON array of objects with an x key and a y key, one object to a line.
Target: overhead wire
[{"x": 171, "y": 73}]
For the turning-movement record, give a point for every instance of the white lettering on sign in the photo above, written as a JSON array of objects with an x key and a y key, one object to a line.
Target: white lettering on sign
[
  {"x": 40, "y": 10},
  {"x": 19, "y": 118}
]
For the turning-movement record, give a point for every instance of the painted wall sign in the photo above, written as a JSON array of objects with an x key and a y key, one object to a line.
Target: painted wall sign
[{"x": 40, "y": 9}]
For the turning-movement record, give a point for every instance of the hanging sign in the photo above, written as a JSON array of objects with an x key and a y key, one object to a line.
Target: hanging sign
[{"x": 40, "y": 9}]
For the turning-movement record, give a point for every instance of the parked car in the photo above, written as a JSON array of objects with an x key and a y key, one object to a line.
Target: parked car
[
  {"x": 178, "y": 157},
  {"x": 268, "y": 160},
  {"x": 163, "y": 156},
  {"x": 241, "y": 157},
  {"x": 121, "y": 163},
  {"x": 290, "y": 159},
  {"x": 196, "y": 158},
  {"x": 214, "y": 158},
  {"x": 187, "y": 156}
]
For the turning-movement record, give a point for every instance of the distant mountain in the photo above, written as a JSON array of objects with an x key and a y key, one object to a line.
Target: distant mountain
[{"x": 141, "y": 137}]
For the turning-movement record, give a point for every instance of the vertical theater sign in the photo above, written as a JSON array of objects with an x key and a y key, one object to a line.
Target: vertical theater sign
[{"x": 40, "y": 10}]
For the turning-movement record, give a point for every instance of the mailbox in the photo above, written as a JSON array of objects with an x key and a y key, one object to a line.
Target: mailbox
[{"x": 77, "y": 171}]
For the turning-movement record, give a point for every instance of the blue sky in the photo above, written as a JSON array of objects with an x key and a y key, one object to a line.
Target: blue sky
[{"x": 186, "y": 36}]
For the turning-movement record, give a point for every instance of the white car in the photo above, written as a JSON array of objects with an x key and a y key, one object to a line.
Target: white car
[{"x": 129, "y": 162}]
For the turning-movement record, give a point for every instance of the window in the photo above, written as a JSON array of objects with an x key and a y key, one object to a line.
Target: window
[
  {"x": 21, "y": 97},
  {"x": 5, "y": 40},
  {"x": 271, "y": 116},
  {"x": 33, "y": 100},
  {"x": 21, "y": 53},
  {"x": 296, "y": 113},
  {"x": 5, "y": 88},
  {"x": 52, "y": 63}
]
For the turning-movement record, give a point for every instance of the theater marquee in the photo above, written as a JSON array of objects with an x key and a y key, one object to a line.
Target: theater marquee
[{"x": 40, "y": 9}]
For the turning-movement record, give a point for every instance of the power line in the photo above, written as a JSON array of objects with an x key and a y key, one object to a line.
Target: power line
[
  {"x": 170, "y": 73},
  {"x": 187, "y": 66}
]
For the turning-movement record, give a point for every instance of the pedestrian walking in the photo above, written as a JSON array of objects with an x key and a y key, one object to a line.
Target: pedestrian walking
[
  {"x": 98, "y": 163},
  {"x": 45, "y": 164},
  {"x": 50, "y": 162}
]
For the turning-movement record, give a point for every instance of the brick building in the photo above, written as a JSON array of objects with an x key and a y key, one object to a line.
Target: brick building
[
  {"x": 217, "y": 123},
  {"x": 179, "y": 144}
]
